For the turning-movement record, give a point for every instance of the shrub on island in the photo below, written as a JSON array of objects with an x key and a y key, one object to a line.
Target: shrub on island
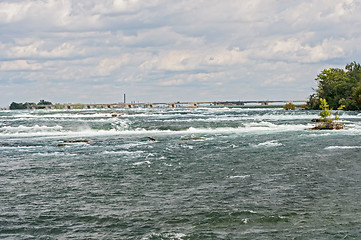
[
  {"x": 326, "y": 122},
  {"x": 289, "y": 106}
]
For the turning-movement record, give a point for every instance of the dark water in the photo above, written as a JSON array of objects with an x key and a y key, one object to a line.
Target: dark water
[{"x": 214, "y": 173}]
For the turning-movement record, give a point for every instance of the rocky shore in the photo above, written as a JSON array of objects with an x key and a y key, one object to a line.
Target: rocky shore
[{"x": 327, "y": 124}]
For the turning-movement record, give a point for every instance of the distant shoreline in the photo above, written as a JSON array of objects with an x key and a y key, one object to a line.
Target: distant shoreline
[
  {"x": 49, "y": 105},
  {"x": 183, "y": 107}
]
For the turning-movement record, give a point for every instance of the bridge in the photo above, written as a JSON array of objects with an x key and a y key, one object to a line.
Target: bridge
[{"x": 161, "y": 104}]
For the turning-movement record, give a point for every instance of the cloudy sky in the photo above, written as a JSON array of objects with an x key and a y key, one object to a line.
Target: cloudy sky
[{"x": 93, "y": 51}]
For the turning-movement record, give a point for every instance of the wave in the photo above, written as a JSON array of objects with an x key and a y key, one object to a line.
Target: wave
[
  {"x": 31, "y": 129},
  {"x": 132, "y": 145},
  {"x": 121, "y": 152},
  {"x": 85, "y": 130},
  {"x": 18, "y": 148},
  {"x": 241, "y": 118},
  {"x": 91, "y": 113},
  {"x": 56, "y": 154},
  {"x": 64, "y": 116},
  {"x": 173, "y": 236},
  {"x": 240, "y": 176},
  {"x": 141, "y": 163},
  {"x": 272, "y": 143},
  {"x": 342, "y": 147},
  {"x": 164, "y": 121}
]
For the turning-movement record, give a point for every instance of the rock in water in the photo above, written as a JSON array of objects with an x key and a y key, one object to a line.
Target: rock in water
[
  {"x": 153, "y": 139},
  {"x": 194, "y": 139},
  {"x": 328, "y": 126},
  {"x": 317, "y": 120},
  {"x": 78, "y": 141}
]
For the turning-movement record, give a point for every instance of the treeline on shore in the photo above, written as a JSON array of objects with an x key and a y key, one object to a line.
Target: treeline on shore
[
  {"x": 338, "y": 87},
  {"x": 25, "y": 105}
]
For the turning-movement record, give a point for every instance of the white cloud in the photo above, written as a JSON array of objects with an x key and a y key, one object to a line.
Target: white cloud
[
  {"x": 39, "y": 49},
  {"x": 50, "y": 11},
  {"x": 108, "y": 65},
  {"x": 322, "y": 14},
  {"x": 226, "y": 57},
  {"x": 125, "y": 5},
  {"x": 296, "y": 50},
  {"x": 221, "y": 48},
  {"x": 278, "y": 80},
  {"x": 12, "y": 12},
  {"x": 196, "y": 78},
  {"x": 188, "y": 60},
  {"x": 19, "y": 65},
  {"x": 343, "y": 9},
  {"x": 120, "y": 6}
]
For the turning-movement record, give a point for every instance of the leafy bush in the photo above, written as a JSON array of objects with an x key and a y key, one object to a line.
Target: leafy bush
[
  {"x": 289, "y": 106},
  {"x": 327, "y": 123},
  {"x": 326, "y": 112}
]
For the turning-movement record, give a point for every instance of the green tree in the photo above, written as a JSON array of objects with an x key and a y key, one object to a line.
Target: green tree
[
  {"x": 289, "y": 106},
  {"x": 333, "y": 85},
  {"x": 349, "y": 103},
  {"x": 338, "y": 87},
  {"x": 15, "y": 105},
  {"x": 354, "y": 71},
  {"x": 313, "y": 102},
  {"x": 356, "y": 96},
  {"x": 43, "y": 102}
]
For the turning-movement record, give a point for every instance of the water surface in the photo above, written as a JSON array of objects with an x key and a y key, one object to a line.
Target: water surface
[{"x": 213, "y": 173}]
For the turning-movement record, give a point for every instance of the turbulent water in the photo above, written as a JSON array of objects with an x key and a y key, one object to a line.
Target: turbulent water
[{"x": 213, "y": 173}]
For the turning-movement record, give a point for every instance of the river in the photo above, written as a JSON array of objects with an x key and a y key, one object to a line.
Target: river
[{"x": 178, "y": 173}]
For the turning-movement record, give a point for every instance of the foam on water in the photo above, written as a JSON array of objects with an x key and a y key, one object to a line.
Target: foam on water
[
  {"x": 29, "y": 129},
  {"x": 54, "y": 154},
  {"x": 121, "y": 152},
  {"x": 86, "y": 130},
  {"x": 240, "y": 177},
  {"x": 170, "y": 236},
  {"x": 272, "y": 143},
  {"x": 132, "y": 145},
  {"x": 64, "y": 116},
  {"x": 142, "y": 163},
  {"x": 342, "y": 147}
]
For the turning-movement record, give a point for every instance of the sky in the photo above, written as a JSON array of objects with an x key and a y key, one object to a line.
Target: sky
[{"x": 90, "y": 51}]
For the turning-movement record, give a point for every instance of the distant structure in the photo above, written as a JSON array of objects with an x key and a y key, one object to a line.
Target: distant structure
[{"x": 159, "y": 104}]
